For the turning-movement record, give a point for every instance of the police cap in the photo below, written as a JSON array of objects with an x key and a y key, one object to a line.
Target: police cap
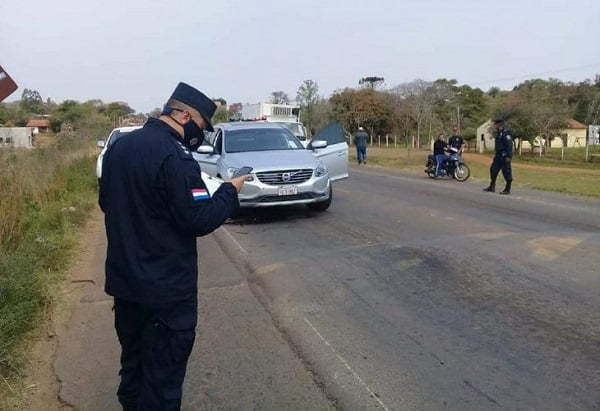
[{"x": 196, "y": 99}]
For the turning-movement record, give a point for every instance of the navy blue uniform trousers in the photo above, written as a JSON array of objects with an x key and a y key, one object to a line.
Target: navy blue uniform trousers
[
  {"x": 156, "y": 341},
  {"x": 498, "y": 164}
]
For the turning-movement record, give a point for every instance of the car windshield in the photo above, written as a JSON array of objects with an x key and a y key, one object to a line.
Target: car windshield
[
  {"x": 296, "y": 129},
  {"x": 261, "y": 139}
]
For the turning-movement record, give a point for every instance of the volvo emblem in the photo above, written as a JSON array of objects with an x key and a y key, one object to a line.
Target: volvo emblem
[{"x": 285, "y": 177}]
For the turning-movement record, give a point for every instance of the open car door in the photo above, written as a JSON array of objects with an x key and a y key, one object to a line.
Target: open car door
[{"x": 335, "y": 155}]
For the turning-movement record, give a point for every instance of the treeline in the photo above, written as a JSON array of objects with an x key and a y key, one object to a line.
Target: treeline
[
  {"x": 93, "y": 117},
  {"x": 420, "y": 110}
]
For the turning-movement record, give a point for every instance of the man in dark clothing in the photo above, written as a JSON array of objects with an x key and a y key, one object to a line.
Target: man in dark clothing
[
  {"x": 155, "y": 205},
  {"x": 439, "y": 153},
  {"x": 502, "y": 158},
  {"x": 456, "y": 141},
  {"x": 360, "y": 141}
]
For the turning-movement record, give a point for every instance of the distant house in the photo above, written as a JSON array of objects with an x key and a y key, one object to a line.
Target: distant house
[
  {"x": 573, "y": 135},
  {"x": 39, "y": 125},
  {"x": 485, "y": 137},
  {"x": 16, "y": 137}
]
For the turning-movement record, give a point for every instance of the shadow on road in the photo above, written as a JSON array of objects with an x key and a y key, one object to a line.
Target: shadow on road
[{"x": 272, "y": 215}]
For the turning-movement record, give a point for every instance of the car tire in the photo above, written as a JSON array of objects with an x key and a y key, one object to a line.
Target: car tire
[{"x": 322, "y": 205}]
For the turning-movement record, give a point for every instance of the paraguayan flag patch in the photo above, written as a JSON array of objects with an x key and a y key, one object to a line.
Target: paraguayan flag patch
[{"x": 200, "y": 194}]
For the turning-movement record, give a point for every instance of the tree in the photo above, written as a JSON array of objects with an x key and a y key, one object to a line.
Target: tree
[
  {"x": 307, "y": 96},
  {"x": 279, "y": 97},
  {"x": 493, "y": 91},
  {"x": 222, "y": 115},
  {"x": 364, "y": 107},
  {"x": 417, "y": 97},
  {"x": 32, "y": 102},
  {"x": 372, "y": 82},
  {"x": 155, "y": 113},
  {"x": 118, "y": 109}
]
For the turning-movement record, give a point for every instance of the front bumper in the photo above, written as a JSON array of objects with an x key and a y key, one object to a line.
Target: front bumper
[{"x": 258, "y": 194}]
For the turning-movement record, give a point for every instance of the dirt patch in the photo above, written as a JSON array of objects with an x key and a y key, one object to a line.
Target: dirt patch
[{"x": 41, "y": 383}]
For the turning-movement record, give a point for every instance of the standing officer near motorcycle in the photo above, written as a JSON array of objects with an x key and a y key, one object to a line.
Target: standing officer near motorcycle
[
  {"x": 502, "y": 158},
  {"x": 155, "y": 205}
]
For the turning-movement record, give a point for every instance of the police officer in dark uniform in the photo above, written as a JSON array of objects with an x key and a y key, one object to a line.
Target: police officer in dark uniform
[
  {"x": 155, "y": 205},
  {"x": 502, "y": 158}
]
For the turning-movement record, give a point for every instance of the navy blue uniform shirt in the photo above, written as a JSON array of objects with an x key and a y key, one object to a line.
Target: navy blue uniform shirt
[
  {"x": 155, "y": 205},
  {"x": 503, "y": 143}
]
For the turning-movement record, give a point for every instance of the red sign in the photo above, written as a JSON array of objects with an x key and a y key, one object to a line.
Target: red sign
[{"x": 7, "y": 85}]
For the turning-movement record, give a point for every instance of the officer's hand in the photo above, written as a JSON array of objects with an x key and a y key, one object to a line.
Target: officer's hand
[
  {"x": 238, "y": 182},
  {"x": 507, "y": 159}
]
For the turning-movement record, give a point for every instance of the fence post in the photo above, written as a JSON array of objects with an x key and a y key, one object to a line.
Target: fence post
[
  {"x": 386, "y": 141},
  {"x": 371, "y": 140},
  {"x": 395, "y": 141},
  {"x": 379, "y": 141}
]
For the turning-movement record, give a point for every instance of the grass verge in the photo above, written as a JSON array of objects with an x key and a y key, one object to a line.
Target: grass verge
[
  {"x": 45, "y": 195},
  {"x": 546, "y": 179}
]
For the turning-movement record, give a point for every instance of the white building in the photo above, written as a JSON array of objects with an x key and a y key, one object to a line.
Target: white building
[{"x": 16, "y": 137}]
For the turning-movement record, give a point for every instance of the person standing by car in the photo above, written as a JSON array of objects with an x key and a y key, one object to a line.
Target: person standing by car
[
  {"x": 155, "y": 205},
  {"x": 502, "y": 158},
  {"x": 439, "y": 153},
  {"x": 456, "y": 141},
  {"x": 360, "y": 141}
]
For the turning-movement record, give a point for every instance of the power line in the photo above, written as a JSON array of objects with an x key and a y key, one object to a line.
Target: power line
[{"x": 597, "y": 64}]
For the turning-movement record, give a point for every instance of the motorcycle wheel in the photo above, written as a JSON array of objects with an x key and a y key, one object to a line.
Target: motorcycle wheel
[
  {"x": 462, "y": 172},
  {"x": 430, "y": 170}
]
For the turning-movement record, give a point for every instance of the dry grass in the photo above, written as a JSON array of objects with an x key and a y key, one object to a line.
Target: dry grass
[{"x": 45, "y": 193}]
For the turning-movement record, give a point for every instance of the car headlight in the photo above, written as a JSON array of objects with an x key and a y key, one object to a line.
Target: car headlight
[
  {"x": 321, "y": 170},
  {"x": 232, "y": 170}
]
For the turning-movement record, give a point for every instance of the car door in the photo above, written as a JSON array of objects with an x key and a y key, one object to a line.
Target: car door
[
  {"x": 208, "y": 162},
  {"x": 335, "y": 155}
]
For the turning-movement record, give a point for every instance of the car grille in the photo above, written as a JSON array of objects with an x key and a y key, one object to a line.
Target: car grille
[
  {"x": 276, "y": 199},
  {"x": 277, "y": 177}
]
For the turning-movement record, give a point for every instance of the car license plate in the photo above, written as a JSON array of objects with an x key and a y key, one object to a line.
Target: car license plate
[{"x": 288, "y": 190}]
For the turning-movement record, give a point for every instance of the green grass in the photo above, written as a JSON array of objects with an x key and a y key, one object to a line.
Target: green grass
[
  {"x": 573, "y": 158},
  {"x": 546, "y": 180},
  {"x": 36, "y": 244},
  {"x": 551, "y": 179}
]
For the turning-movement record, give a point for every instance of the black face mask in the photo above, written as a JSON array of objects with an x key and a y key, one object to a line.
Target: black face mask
[{"x": 193, "y": 136}]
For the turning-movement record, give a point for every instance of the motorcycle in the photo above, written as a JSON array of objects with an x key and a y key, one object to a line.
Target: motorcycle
[{"x": 453, "y": 166}]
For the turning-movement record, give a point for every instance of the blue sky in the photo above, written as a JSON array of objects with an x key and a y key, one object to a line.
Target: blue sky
[{"x": 137, "y": 51}]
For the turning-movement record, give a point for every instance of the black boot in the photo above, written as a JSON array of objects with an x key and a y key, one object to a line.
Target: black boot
[
  {"x": 506, "y": 190},
  {"x": 490, "y": 189}
]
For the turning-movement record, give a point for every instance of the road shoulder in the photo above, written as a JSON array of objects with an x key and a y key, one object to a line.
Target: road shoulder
[{"x": 240, "y": 360}]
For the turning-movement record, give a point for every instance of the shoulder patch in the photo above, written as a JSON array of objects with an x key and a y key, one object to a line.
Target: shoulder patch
[
  {"x": 508, "y": 137},
  {"x": 200, "y": 194}
]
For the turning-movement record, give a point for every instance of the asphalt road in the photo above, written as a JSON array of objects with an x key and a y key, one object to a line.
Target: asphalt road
[
  {"x": 407, "y": 294},
  {"x": 418, "y": 294}
]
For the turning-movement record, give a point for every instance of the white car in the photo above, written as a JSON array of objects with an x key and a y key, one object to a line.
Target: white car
[
  {"x": 104, "y": 145},
  {"x": 212, "y": 183},
  {"x": 284, "y": 172}
]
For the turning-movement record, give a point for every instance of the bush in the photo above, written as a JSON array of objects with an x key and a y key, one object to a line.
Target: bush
[{"x": 44, "y": 194}]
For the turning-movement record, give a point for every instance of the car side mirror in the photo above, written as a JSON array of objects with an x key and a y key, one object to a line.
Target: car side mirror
[
  {"x": 206, "y": 149},
  {"x": 101, "y": 143},
  {"x": 317, "y": 144}
]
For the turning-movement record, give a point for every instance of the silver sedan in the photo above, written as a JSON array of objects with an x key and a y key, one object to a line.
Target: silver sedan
[{"x": 284, "y": 172}]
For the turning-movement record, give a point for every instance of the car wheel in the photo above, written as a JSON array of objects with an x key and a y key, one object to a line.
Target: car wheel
[{"x": 322, "y": 205}]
